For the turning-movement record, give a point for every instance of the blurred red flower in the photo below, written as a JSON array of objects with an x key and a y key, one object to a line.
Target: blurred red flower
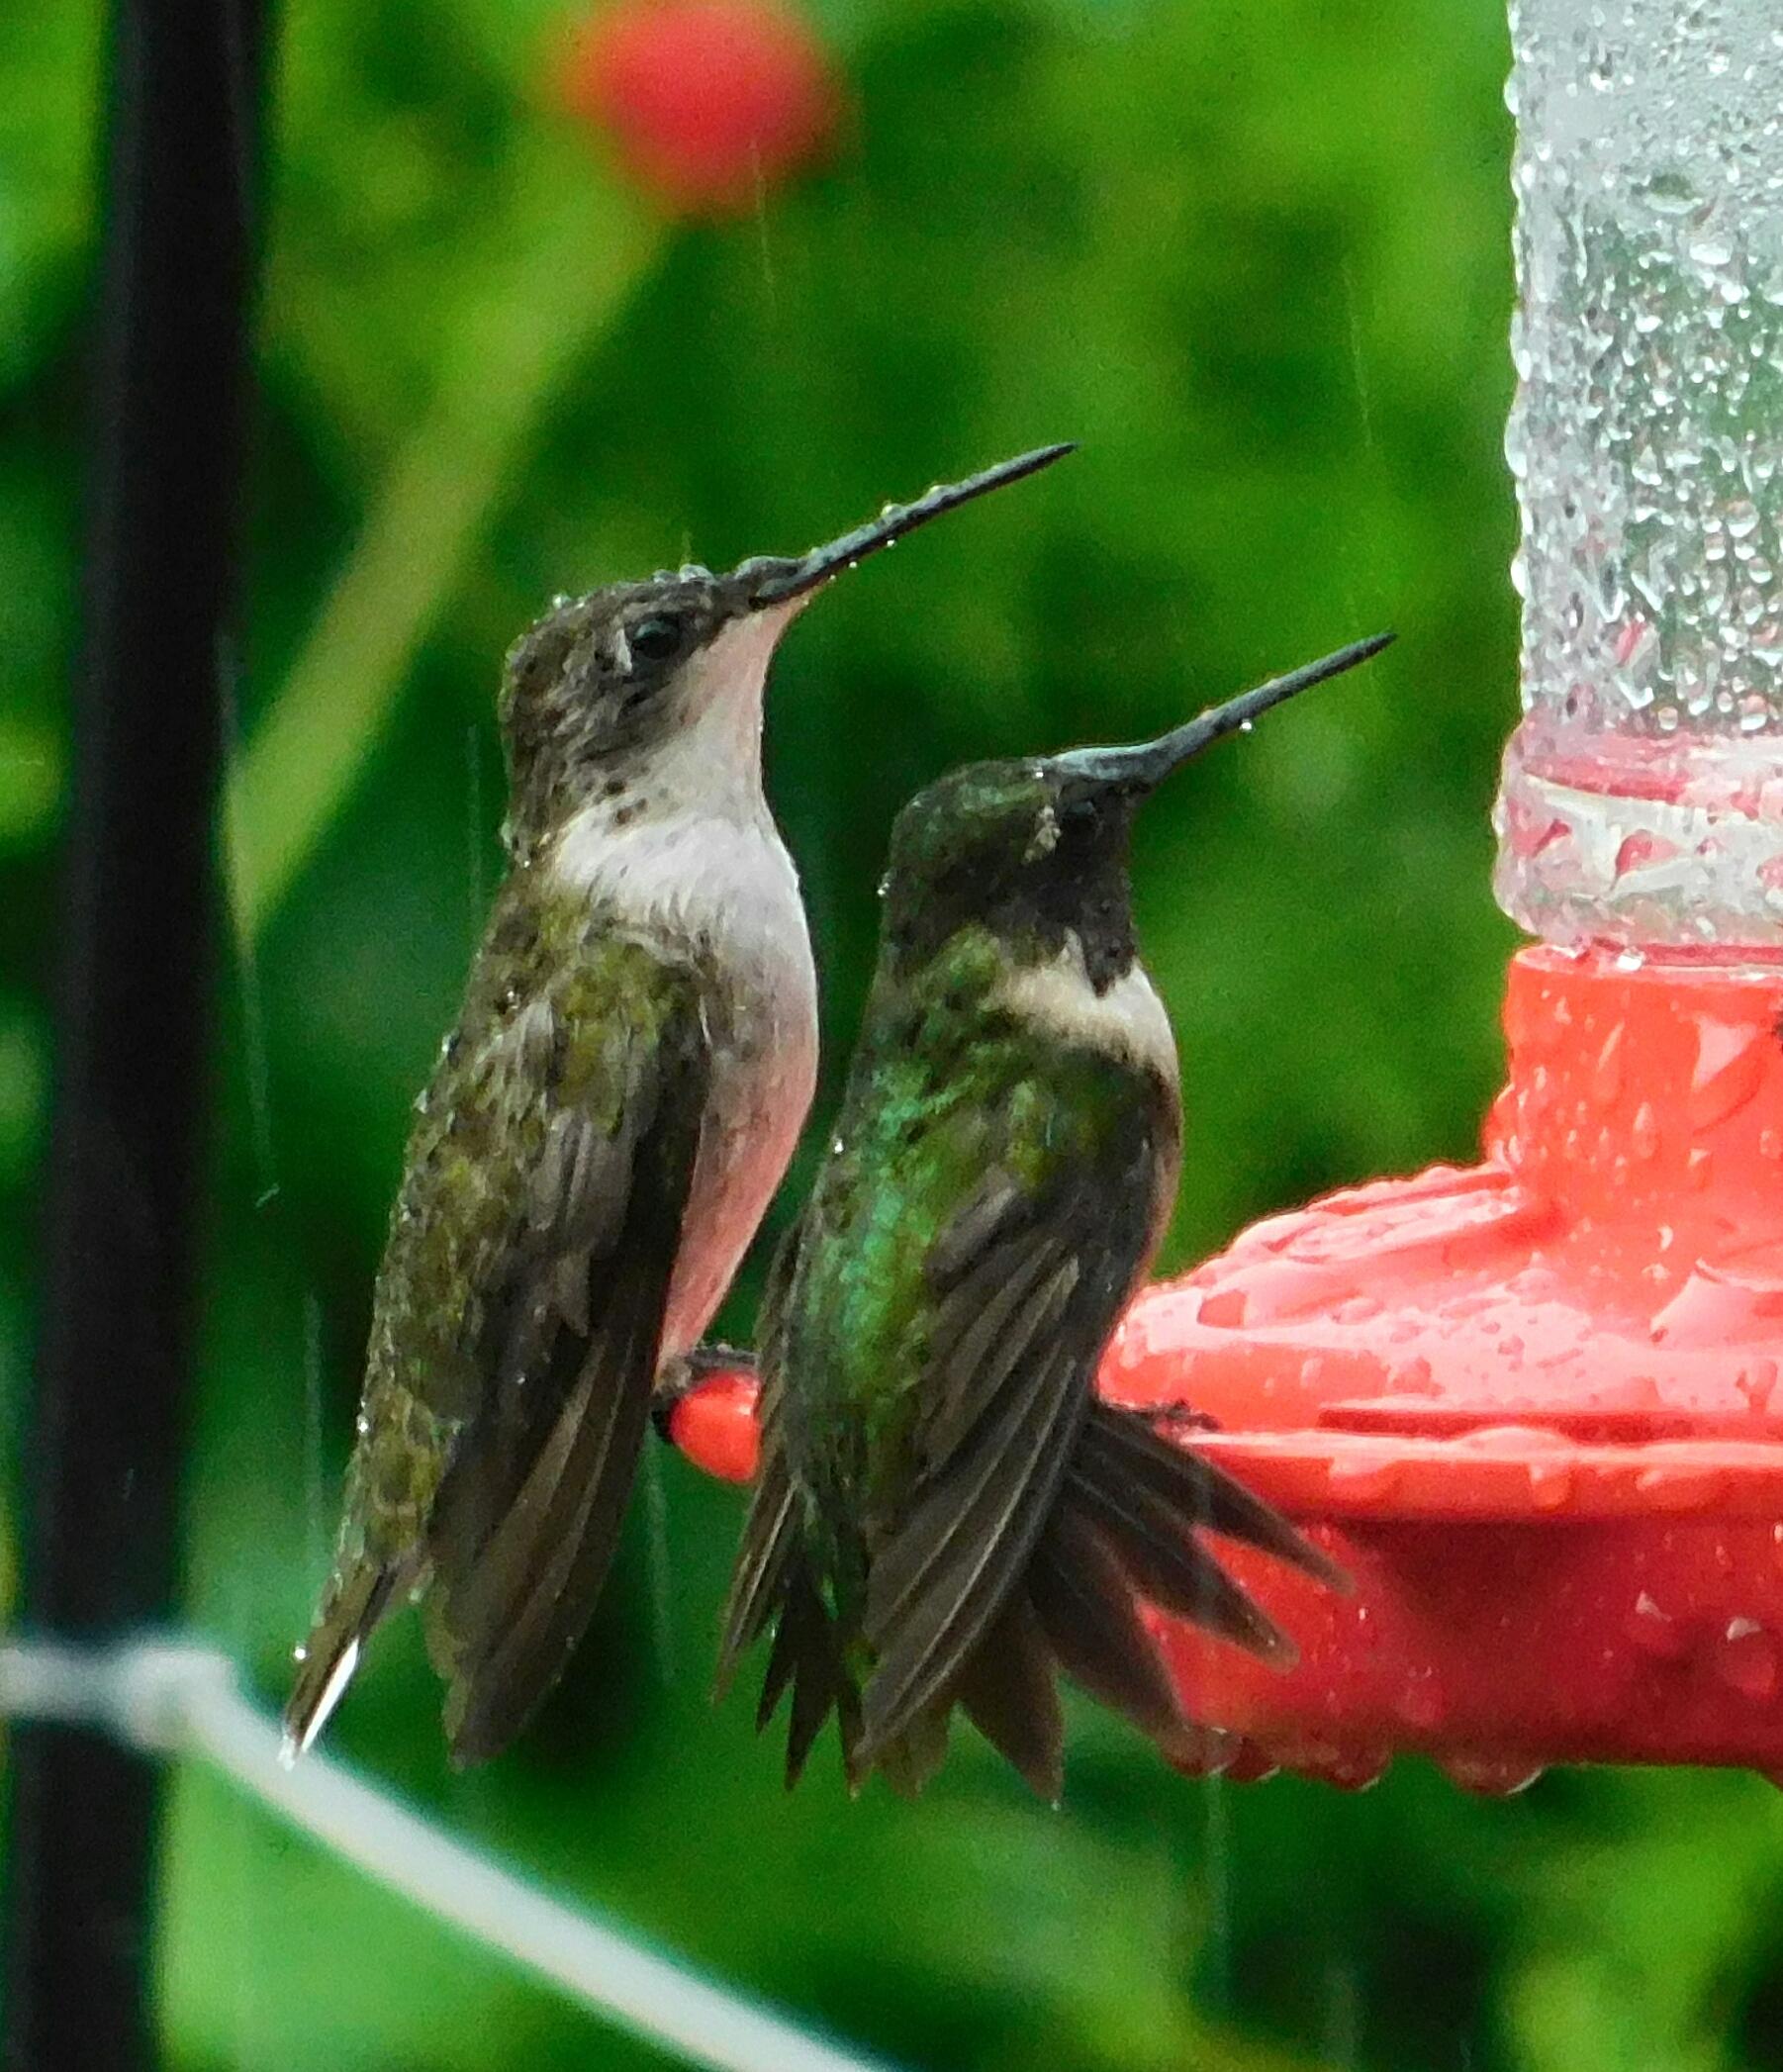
[{"x": 707, "y": 102}]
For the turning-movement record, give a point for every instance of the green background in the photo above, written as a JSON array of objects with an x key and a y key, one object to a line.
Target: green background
[{"x": 1256, "y": 259}]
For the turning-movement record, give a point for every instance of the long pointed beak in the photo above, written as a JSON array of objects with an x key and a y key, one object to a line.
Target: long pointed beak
[
  {"x": 1145, "y": 765},
  {"x": 771, "y": 580}
]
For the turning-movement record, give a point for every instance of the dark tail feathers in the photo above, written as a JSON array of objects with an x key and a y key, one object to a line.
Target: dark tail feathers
[
  {"x": 353, "y": 1605},
  {"x": 774, "y": 1582},
  {"x": 1127, "y": 1527},
  {"x": 807, "y": 1658}
]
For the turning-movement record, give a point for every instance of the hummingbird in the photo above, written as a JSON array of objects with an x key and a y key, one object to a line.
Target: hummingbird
[
  {"x": 944, "y": 1512},
  {"x": 601, "y": 1134}
]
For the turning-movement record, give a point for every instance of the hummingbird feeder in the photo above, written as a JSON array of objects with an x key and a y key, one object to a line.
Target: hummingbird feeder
[{"x": 1533, "y": 1406}]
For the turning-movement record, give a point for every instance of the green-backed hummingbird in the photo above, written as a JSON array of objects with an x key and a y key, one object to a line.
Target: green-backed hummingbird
[
  {"x": 944, "y": 1512},
  {"x": 601, "y": 1135}
]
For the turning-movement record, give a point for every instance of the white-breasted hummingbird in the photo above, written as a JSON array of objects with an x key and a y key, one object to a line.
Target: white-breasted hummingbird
[
  {"x": 601, "y": 1135},
  {"x": 944, "y": 1511}
]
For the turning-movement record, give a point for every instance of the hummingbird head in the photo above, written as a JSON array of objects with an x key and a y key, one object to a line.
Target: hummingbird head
[
  {"x": 643, "y": 699},
  {"x": 1035, "y": 849}
]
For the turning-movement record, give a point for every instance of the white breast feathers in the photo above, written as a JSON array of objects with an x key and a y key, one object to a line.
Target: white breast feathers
[{"x": 1127, "y": 1022}]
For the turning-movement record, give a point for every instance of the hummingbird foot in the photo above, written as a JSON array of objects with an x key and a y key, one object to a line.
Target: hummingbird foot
[
  {"x": 1171, "y": 1419},
  {"x": 679, "y": 1377}
]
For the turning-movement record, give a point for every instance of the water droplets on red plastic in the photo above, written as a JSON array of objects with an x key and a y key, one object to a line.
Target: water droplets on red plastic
[
  {"x": 1490, "y": 1776},
  {"x": 1731, "y": 1064},
  {"x": 1744, "y": 1658}
]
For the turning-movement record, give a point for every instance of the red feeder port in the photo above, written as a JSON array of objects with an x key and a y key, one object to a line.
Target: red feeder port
[{"x": 1529, "y": 1405}]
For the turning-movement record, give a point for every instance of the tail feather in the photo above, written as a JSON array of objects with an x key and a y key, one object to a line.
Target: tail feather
[
  {"x": 354, "y": 1602},
  {"x": 808, "y": 1660},
  {"x": 1127, "y": 1527},
  {"x": 1124, "y": 1530},
  {"x": 775, "y": 1583},
  {"x": 807, "y": 1657},
  {"x": 1168, "y": 1565},
  {"x": 505, "y": 1612},
  {"x": 1008, "y": 1694},
  {"x": 1086, "y": 1605},
  {"x": 914, "y": 1753},
  {"x": 1120, "y": 1448}
]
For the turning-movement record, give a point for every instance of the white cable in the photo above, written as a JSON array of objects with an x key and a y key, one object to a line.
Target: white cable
[{"x": 180, "y": 1698}]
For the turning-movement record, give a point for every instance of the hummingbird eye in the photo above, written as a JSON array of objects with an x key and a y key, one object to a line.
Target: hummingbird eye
[{"x": 658, "y": 638}]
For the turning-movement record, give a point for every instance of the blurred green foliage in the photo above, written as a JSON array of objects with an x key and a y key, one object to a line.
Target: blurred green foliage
[{"x": 1256, "y": 259}]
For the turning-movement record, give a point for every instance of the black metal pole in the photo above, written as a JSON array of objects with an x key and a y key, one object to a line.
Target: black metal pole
[{"x": 100, "y": 1468}]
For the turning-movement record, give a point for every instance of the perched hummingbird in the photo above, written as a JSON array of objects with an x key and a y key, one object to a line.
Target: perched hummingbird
[
  {"x": 944, "y": 1511},
  {"x": 601, "y": 1135}
]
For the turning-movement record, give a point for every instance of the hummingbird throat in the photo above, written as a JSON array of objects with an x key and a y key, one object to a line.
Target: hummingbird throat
[
  {"x": 701, "y": 768},
  {"x": 1124, "y": 1019}
]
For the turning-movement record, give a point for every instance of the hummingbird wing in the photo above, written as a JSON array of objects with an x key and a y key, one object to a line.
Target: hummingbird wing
[
  {"x": 529, "y": 1514},
  {"x": 1009, "y": 1694},
  {"x": 1023, "y": 1281},
  {"x": 517, "y": 1320},
  {"x": 1039, "y": 1515}
]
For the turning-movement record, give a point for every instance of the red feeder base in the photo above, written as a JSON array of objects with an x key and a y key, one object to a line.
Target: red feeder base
[{"x": 1528, "y": 1405}]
